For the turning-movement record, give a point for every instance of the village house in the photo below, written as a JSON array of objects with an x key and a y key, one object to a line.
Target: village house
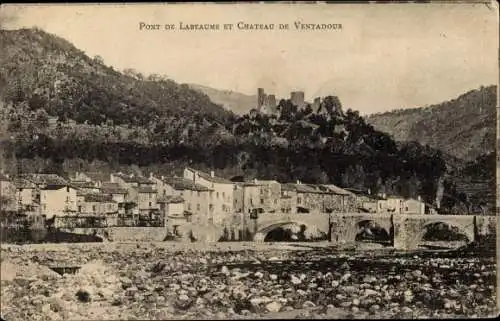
[
  {"x": 26, "y": 196},
  {"x": 288, "y": 199},
  {"x": 315, "y": 198},
  {"x": 98, "y": 178},
  {"x": 56, "y": 196},
  {"x": 343, "y": 200},
  {"x": 270, "y": 194},
  {"x": 117, "y": 193},
  {"x": 85, "y": 186},
  {"x": 172, "y": 210},
  {"x": 197, "y": 199},
  {"x": 414, "y": 206},
  {"x": 140, "y": 191},
  {"x": 222, "y": 196},
  {"x": 98, "y": 205}
]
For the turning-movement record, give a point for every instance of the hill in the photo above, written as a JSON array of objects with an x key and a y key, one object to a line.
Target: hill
[
  {"x": 111, "y": 120},
  {"x": 42, "y": 71},
  {"x": 236, "y": 102},
  {"x": 464, "y": 127}
]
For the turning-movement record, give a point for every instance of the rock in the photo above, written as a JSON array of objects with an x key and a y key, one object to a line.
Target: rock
[
  {"x": 345, "y": 277},
  {"x": 224, "y": 270},
  {"x": 345, "y": 304},
  {"x": 295, "y": 280},
  {"x": 259, "y": 275},
  {"x": 335, "y": 283},
  {"x": 374, "y": 308},
  {"x": 370, "y": 292},
  {"x": 369, "y": 279},
  {"x": 273, "y": 277},
  {"x": 274, "y": 258},
  {"x": 355, "y": 301},
  {"x": 273, "y": 306},
  {"x": 408, "y": 296},
  {"x": 308, "y": 304}
]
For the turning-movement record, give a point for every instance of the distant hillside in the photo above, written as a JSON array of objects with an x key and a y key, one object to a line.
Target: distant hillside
[
  {"x": 128, "y": 119},
  {"x": 42, "y": 71},
  {"x": 464, "y": 127},
  {"x": 236, "y": 102}
]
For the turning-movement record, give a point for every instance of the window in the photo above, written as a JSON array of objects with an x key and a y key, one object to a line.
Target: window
[
  {"x": 197, "y": 207},
  {"x": 164, "y": 192},
  {"x": 223, "y": 194},
  {"x": 299, "y": 200},
  {"x": 261, "y": 201},
  {"x": 79, "y": 208},
  {"x": 406, "y": 209},
  {"x": 217, "y": 194},
  {"x": 93, "y": 208},
  {"x": 275, "y": 202},
  {"x": 67, "y": 199},
  {"x": 67, "y": 189},
  {"x": 150, "y": 204}
]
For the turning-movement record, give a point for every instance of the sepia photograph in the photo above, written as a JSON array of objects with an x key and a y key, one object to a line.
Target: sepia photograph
[{"x": 300, "y": 160}]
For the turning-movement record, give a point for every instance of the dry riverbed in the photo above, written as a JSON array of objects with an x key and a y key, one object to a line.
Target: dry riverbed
[{"x": 240, "y": 281}]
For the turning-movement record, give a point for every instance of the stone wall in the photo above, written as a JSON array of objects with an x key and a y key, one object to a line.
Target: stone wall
[{"x": 124, "y": 234}]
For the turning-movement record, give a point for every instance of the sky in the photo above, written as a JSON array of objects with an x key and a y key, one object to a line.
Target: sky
[{"x": 385, "y": 56}]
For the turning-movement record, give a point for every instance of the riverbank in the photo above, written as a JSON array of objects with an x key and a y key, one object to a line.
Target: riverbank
[{"x": 166, "y": 280}]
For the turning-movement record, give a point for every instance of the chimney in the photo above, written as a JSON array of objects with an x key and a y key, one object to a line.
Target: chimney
[
  {"x": 151, "y": 175},
  {"x": 369, "y": 192},
  {"x": 384, "y": 195},
  {"x": 298, "y": 182},
  {"x": 212, "y": 174},
  {"x": 162, "y": 177},
  {"x": 419, "y": 198},
  {"x": 255, "y": 181}
]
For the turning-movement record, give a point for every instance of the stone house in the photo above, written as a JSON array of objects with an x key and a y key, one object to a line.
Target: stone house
[
  {"x": 414, "y": 206},
  {"x": 26, "y": 196},
  {"x": 197, "y": 198},
  {"x": 98, "y": 178},
  {"x": 288, "y": 199},
  {"x": 315, "y": 198},
  {"x": 172, "y": 210},
  {"x": 117, "y": 193},
  {"x": 269, "y": 195},
  {"x": 222, "y": 194},
  {"x": 55, "y": 195}
]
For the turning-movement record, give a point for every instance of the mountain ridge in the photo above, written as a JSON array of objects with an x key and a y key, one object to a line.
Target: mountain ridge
[{"x": 464, "y": 127}]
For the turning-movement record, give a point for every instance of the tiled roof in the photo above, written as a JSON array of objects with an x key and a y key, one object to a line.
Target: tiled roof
[
  {"x": 99, "y": 198},
  {"x": 134, "y": 179},
  {"x": 98, "y": 176},
  {"x": 112, "y": 188},
  {"x": 148, "y": 189},
  {"x": 171, "y": 199},
  {"x": 23, "y": 183},
  {"x": 209, "y": 178},
  {"x": 180, "y": 183},
  {"x": 82, "y": 184},
  {"x": 338, "y": 190},
  {"x": 46, "y": 179}
]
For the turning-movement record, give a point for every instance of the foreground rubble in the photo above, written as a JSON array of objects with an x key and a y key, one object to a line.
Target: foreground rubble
[{"x": 159, "y": 281}]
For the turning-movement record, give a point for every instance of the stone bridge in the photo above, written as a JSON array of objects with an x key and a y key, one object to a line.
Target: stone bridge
[{"x": 405, "y": 231}]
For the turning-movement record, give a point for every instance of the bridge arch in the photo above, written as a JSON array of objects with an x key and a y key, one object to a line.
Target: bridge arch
[
  {"x": 380, "y": 226},
  {"x": 464, "y": 228},
  {"x": 262, "y": 231}
]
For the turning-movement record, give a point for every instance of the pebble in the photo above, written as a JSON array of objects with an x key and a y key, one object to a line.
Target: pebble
[{"x": 273, "y": 306}]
